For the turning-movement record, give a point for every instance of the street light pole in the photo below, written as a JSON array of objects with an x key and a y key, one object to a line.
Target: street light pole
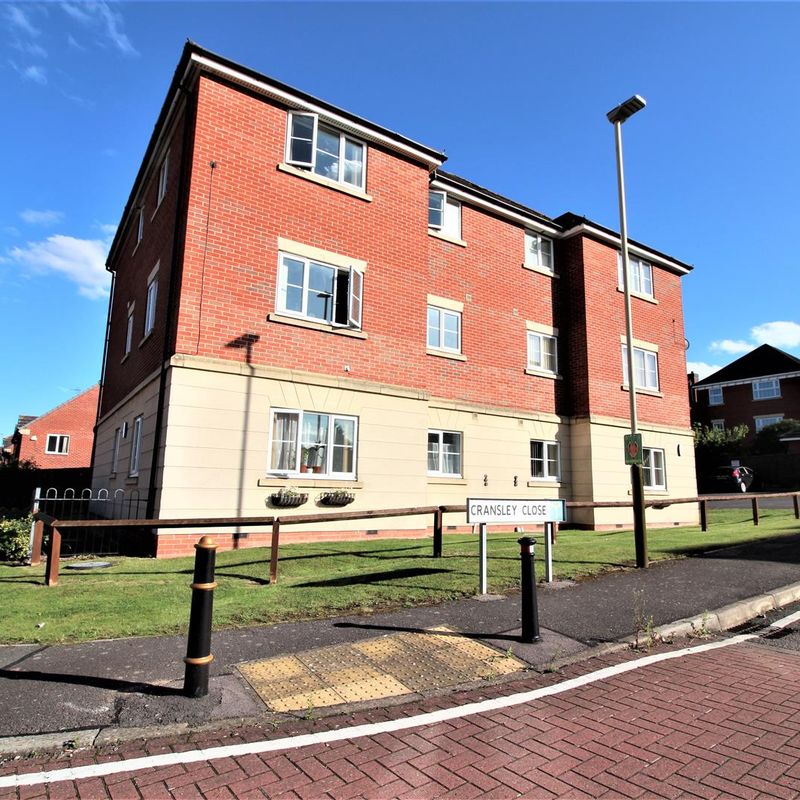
[{"x": 617, "y": 116}]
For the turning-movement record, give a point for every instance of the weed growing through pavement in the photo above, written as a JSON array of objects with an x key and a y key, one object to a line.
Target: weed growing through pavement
[
  {"x": 702, "y": 631},
  {"x": 645, "y": 633}
]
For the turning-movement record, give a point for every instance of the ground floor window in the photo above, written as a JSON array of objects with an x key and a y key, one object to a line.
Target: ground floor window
[
  {"x": 654, "y": 473},
  {"x": 312, "y": 442},
  {"x": 444, "y": 453},
  {"x": 545, "y": 460}
]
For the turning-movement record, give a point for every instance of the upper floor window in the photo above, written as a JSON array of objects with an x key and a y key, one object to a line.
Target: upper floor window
[
  {"x": 763, "y": 422},
  {"x": 715, "y": 396},
  {"x": 136, "y": 447},
  {"x": 163, "y": 176},
  {"x": 129, "y": 331},
  {"x": 545, "y": 460},
  {"x": 766, "y": 389},
  {"x": 641, "y": 273},
  {"x": 325, "y": 151},
  {"x": 538, "y": 251},
  {"x": 444, "y": 214},
  {"x": 542, "y": 352},
  {"x": 150, "y": 308},
  {"x": 653, "y": 472},
  {"x": 444, "y": 329},
  {"x": 308, "y": 442},
  {"x": 57, "y": 444},
  {"x": 139, "y": 225},
  {"x": 444, "y": 453},
  {"x": 321, "y": 292},
  {"x": 645, "y": 365}
]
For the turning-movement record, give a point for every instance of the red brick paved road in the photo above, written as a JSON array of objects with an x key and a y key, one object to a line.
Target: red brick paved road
[{"x": 724, "y": 723}]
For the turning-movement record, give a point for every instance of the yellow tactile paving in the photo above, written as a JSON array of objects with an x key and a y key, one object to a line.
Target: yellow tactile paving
[{"x": 387, "y": 666}]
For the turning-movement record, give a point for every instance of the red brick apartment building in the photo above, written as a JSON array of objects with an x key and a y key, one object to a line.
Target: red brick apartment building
[
  {"x": 60, "y": 439},
  {"x": 302, "y": 297}
]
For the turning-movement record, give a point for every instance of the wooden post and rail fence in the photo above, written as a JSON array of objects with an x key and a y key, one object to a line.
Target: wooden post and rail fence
[{"x": 44, "y": 522}]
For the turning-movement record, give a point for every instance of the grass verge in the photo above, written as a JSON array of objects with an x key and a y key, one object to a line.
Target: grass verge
[{"x": 143, "y": 597}]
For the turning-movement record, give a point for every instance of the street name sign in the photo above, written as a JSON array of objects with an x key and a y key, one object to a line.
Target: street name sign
[
  {"x": 633, "y": 449},
  {"x": 482, "y": 510}
]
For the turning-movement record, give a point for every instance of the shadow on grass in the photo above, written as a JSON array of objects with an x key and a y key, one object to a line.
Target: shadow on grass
[
  {"x": 87, "y": 680},
  {"x": 781, "y": 549},
  {"x": 371, "y": 577}
]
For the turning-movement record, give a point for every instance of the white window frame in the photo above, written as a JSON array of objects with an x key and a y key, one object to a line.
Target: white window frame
[
  {"x": 449, "y": 224},
  {"x": 140, "y": 226},
  {"x": 718, "y": 424},
  {"x": 539, "y": 252},
  {"x": 115, "y": 450},
  {"x": 641, "y": 373},
  {"x": 766, "y": 420},
  {"x": 715, "y": 396},
  {"x": 328, "y": 446},
  {"x": 650, "y": 471},
  {"x": 355, "y": 291},
  {"x": 60, "y": 447},
  {"x": 442, "y": 312},
  {"x": 546, "y": 459},
  {"x": 344, "y": 138},
  {"x": 767, "y": 389},
  {"x": 439, "y": 433},
  {"x": 541, "y": 365},
  {"x": 129, "y": 331},
  {"x": 136, "y": 447},
  {"x": 152, "y": 300},
  {"x": 163, "y": 179},
  {"x": 641, "y": 274}
]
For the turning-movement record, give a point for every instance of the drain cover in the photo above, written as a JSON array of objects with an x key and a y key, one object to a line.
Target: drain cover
[{"x": 90, "y": 565}]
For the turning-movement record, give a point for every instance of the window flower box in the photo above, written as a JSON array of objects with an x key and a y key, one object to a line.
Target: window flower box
[
  {"x": 287, "y": 498},
  {"x": 337, "y": 497}
]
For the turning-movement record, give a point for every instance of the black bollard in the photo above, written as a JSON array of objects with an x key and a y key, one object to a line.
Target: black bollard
[
  {"x": 198, "y": 648},
  {"x": 530, "y": 612}
]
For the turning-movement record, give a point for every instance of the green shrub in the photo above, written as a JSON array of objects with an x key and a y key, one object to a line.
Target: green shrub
[{"x": 15, "y": 535}]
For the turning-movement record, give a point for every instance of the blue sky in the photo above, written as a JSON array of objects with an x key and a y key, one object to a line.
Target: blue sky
[{"x": 515, "y": 93}]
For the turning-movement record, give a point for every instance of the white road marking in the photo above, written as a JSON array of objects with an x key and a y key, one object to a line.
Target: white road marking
[
  {"x": 357, "y": 731},
  {"x": 785, "y": 622}
]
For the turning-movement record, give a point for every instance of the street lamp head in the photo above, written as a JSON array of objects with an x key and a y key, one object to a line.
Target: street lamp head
[{"x": 627, "y": 109}]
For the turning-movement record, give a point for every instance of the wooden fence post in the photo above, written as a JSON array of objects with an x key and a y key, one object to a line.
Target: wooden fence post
[
  {"x": 36, "y": 545},
  {"x": 273, "y": 553},
  {"x": 754, "y": 501},
  {"x": 796, "y": 499},
  {"x": 704, "y": 515},
  {"x": 437, "y": 533},
  {"x": 53, "y": 557}
]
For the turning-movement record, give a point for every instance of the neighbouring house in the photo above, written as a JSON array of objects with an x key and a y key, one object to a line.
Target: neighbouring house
[
  {"x": 304, "y": 298},
  {"x": 758, "y": 389}
]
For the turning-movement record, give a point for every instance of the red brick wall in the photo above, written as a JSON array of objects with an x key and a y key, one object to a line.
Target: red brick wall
[{"x": 76, "y": 419}]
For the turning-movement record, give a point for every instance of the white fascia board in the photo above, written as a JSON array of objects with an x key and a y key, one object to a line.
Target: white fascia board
[
  {"x": 295, "y": 102},
  {"x": 529, "y": 222},
  {"x": 746, "y": 381},
  {"x": 642, "y": 252}
]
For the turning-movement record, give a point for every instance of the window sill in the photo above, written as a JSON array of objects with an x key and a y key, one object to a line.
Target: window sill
[
  {"x": 125, "y": 357},
  {"x": 158, "y": 205},
  {"x": 540, "y": 482},
  {"x": 133, "y": 252},
  {"x": 445, "y": 354},
  {"x": 648, "y": 298},
  {"x": 360, "y": 194},
  {"x": 653, "y": 492},
  {"x": 443, "y": 479},
  {"x": 445, "y": 238},
  {"x": 762, "y": 399},
  {"x": 648, "y": 392},
  {"x": 146, "y": 337},
  {"x": 272, "y": 481},
  {"x": 540, "y": 270},
  {"x": 316, "y": 326},
  {"x": 539, "y": 373},
  {"x": 132, "y": 480}
]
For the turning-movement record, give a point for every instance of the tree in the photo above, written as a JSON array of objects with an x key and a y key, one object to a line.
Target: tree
[{"x": 768, "y": 439}]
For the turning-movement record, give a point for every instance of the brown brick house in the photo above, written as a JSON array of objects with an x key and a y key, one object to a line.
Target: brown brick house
[{"x": 304, "y": 297}]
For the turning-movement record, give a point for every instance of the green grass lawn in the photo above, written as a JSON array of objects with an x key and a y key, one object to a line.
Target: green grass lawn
[{"x": 138, "y": 597}]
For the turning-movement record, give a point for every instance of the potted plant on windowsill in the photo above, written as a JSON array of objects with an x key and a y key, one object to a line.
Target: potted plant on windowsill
[
  {"x": 336, "y": 497},
  {"x": 287, "y": 498},
  {"x": 310, "y": 458}
]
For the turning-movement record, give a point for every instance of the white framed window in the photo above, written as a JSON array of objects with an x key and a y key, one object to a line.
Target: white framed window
[
  {"x": 310, "y": 443},
  {"x": 57, "y": 444},
  {"x": 321, "y": 292},
  {"x": 444, "y": 214},
  {"x": 444, "y": 329},
  {"x": 715, "y": 396},
  {"x": 115, "y": 451},
  {"x": 163, "y": 178},
  {"x": 325, "y": 151},
  {"x": 542, "y": 352},
  {"x": 136, "y": 447},
  {"x": 538, "y": 251},
  {"x": 445, "y": 453},
  {"x": 763, "y": 422},
  {"x": 140, "y": 225},
  {"x": 653, "y": 469},
  {"x": 766, "y": 389},
  {"x": 645, "y": 364},
  {"x": 718, "y": 424},
  {"x": 641, "y": 273},
  {"x": 545, "y": 460},
  {"x": 150, "y": 307},
  {"x": 129, "y": 331}
]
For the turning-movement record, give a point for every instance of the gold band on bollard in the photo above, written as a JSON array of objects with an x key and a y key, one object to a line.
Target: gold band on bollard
[
  {"x": 206, "y": 587},
  {"x": 207, "y": 543},
  {"x": 198, "y": 662}
]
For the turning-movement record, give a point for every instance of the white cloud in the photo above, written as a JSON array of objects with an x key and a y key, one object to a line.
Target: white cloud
[
  {"x": 702, "y": 369},
  {"x": 19, "y": 20},
  {"x": 47, "y": 217},
  {"x": 778, "y": 334},
  {"x": 109, "y": 22},
  {"x": 80, "y": 260},
  {"x": 731, "y": 346},
  {"x": 33, "y": 73},
  {"x": 30, "y": 49}
]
